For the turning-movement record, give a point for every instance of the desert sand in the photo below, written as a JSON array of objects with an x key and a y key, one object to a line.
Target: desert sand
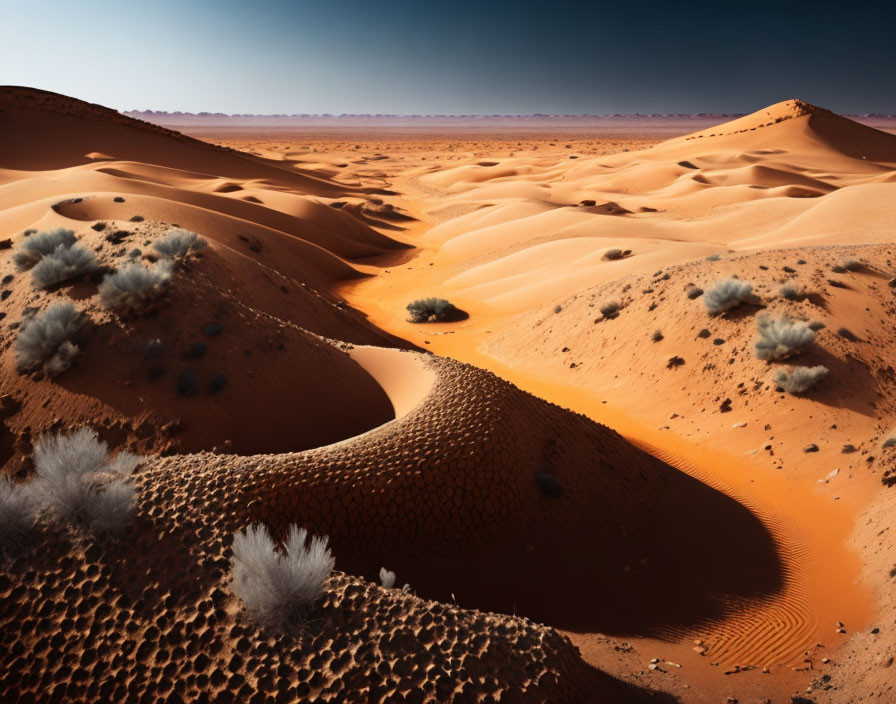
[{"x": 713, "y": 538}]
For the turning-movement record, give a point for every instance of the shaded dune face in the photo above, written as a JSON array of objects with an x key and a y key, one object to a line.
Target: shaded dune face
[{"x": 447, "y": 495}]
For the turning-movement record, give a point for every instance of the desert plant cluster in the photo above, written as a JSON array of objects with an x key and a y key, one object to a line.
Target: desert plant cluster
[
  {"x": 276, "y": 588},
  {"x": 77, "y": 484},
  {"x": 49, "y": 341},
  {"x": 54, "y": 257},
  {"x": 431, "y": 310},
  {"x": 726, "y": 295},
  {"x": 46, "y": 342}
]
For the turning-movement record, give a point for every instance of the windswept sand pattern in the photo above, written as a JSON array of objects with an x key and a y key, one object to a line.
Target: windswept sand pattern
[
  {"x": 764, "y": 632},
  {"x": 456, "y": 468},
  {"x": 459, "y": 468}
]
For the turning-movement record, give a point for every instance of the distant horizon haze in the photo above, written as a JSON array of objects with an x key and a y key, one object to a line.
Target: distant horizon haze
[{"x": 460, "y": 58}]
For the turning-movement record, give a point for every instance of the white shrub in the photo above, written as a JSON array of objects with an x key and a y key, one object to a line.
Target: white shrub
[
  {"x": 69, "y": 484},
  {"x": 16, "y": 516},
  {"x": 178, "y": 243},
  {"x": 62, "y": 264},
  {"x": 726, "y": 294},
  {"x": 387, "y": 578},
  {"x": 134, "y": 287},
  {"x": 276, "y": 587},
  {"x": 780, "y": 338},
  {"x": 798, "y": 380},
  {"x": 45, "y": 341},
  {"x": 34, "y": 248}
]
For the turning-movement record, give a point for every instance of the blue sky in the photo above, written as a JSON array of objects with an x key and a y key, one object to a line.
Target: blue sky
[{"x": 296, "y": 56}]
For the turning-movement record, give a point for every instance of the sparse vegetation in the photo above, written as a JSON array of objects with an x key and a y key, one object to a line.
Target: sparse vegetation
[
  {"x": 780, "y": 338},
  {"x": 609, "y": 309},
  {"x": 16, "y": 517},
  {"x": 726, "y": 295},
  {"x": 46, "y": 341},
  {"x": 791, "y": 293},
  {"x": 387, "y": 578},
  {"x": 612, "y": 254},
  {"x": 63, "y": 264},
  {"x": 134, "y": 288},
  {"x": 39, "y": 245},
  {"x": 77, "y": 482},
  {"x": 177, "y": 244},
  {"x": 714, "y": 257},
  {"x": 276, "y": 588},
  {"x": 798, "y": 380},
  {"x": 431, "y": 310}
]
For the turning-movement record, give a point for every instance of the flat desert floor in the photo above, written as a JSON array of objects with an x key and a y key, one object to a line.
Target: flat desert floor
[{"x": 728, "y": 542}]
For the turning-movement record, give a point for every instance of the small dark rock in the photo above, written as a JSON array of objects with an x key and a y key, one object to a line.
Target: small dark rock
[
  {"x": 718, "y": 341},
  {"x": 704, "y": 333},
  {"x": 5, "y": 244},
  {"x": 197, "y": 350},
  {"x": 118, "y": 199},
  {"x": 212, "y": 329},
  {"x": 137, "y": 218},
  {"x": 811, "y": 448},
  {"x": 153, "y": 349},
  {"x": 188, "y": 383},
  {"x": 848, "y": 449},
  {"x": 549, "y": 484},
  {"x": 98, "y": 226},
  {"x": 217, "y": 384}
]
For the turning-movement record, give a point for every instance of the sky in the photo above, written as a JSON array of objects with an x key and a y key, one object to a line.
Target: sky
[{"x": 452, "y": 57}]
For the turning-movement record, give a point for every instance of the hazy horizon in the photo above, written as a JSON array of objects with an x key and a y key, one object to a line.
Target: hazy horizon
[{"x": 345, "y": 56}]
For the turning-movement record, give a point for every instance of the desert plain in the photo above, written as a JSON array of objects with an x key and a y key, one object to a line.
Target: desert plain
[{"x": 591, "y": 477}]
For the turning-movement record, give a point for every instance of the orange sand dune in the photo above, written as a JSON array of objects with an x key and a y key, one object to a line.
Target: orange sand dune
[{"x": 708, "y": 549}]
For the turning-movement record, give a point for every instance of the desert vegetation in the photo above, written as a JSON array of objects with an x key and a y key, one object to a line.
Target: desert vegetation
[
  {"x": 726, "y": 295},
  {"x": 63, "y": 264},
  {"x": 780, "y": 338},
  {"x": 791, "y": 293},
  {"x": 431, "y": 310},
  {"x": 77, "y": 481},
  {"x": 177, "y": 244},
  {"x": 277, "y": 588},
  {"x": 38, "y": 245},
  {"x": 46, "y": 342},
  {"x": 799, "y": 380},
  {"x": 16, "y": 517},
  {"x": 134, "y": 288},
  {"x": 53, "y": 256},
  {"x": 609, "y": 309},
  {"x": 387, "y": 578}
]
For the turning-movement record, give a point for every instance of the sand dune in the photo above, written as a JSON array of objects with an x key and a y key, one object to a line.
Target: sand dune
[{"x": 712, "y": 537}]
